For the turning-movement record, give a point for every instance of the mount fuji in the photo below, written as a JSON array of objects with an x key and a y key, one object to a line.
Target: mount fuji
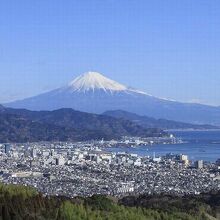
[{"x": 92, "y": 92}]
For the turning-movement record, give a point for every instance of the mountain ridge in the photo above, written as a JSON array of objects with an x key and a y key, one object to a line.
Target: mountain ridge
[
  {"x": 94, "y": 93},
  {"x": 149, "y": 122},
  {"x": 21, "y": 125}
]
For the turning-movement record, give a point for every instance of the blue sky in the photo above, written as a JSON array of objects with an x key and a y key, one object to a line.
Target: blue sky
[{"x": 167, "y": 48}]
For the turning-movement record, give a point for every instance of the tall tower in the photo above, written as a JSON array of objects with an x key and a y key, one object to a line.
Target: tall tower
[
  {"x": 33, "y": 152},
  {"x": 7, "y": 148}
]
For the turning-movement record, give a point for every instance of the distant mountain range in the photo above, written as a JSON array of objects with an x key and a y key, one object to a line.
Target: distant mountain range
[
  {"x": 20, "y": 125},
  {"x": 149, "y": 122},
  {"x": 94, "y": 93}
]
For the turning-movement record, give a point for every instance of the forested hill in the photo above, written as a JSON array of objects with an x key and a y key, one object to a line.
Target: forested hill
[
  {"x": 149, "y": 122},
  {"x": 19, "y": 203},
  {"x": 20, "y": 125}
]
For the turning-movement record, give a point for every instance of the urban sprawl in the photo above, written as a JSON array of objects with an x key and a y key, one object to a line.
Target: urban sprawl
[{"x": 87, "y": 168}]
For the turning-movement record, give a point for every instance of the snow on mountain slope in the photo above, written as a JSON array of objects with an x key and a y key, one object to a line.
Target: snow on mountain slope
[{"x": 94, "y": 80}]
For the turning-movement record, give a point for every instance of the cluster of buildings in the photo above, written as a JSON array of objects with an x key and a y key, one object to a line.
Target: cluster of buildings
[{"x": 83, "y": 169}]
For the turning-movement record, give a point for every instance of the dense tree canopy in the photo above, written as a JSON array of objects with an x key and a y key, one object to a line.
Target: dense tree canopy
[{"x": 19, "y": 202}]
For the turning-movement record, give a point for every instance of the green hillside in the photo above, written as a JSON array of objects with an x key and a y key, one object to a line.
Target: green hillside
[{"x": 19, "y": 202}]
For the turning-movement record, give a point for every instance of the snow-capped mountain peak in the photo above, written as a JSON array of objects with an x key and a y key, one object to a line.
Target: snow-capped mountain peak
[
  {"x": 93, "y": 92},
  {"x": 93, "y": 80}
]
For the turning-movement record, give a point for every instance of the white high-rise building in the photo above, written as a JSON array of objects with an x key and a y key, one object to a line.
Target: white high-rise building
[{"x": 34, "y": 152}]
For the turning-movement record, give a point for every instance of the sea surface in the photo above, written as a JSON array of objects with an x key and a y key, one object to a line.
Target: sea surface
[{"x": 198, "y": 145}]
